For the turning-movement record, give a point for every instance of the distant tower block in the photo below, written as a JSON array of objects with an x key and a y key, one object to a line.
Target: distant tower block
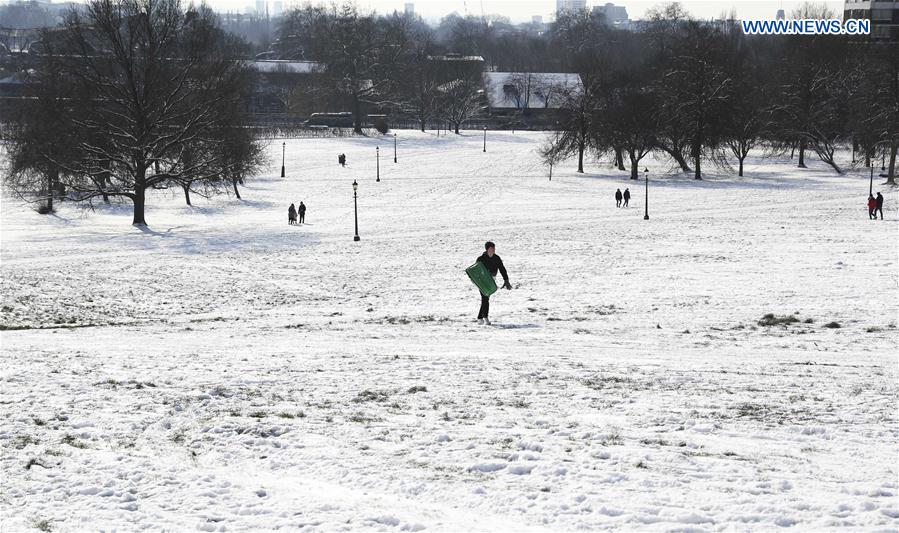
[
  {"x": 537, "y": 19},
  {"x": 781, "y": 15},
  {"x": 410, "y": 8},
  {"x": 260, "y": 7},
  {"x": 570, "y": 5}
]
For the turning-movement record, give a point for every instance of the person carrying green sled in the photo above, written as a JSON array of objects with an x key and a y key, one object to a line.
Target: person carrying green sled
[{"x": 493, "y": 264}]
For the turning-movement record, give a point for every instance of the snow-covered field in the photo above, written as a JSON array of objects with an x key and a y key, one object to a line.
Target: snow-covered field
[{"x": 224, "y": 371}]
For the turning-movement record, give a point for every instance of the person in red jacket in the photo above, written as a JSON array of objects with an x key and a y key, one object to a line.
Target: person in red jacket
[{"x": 872, "y": 205}]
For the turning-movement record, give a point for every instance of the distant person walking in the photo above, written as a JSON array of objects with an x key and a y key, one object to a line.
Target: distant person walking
[
  {"x": 291, "y": 215},
  {"x": 872, "y": 205},
  {"x": 302, "y": 212},
  {"x": 341, "y": 159},
  {"x": 618, "y": 198},
  {"x": 494, "y": 264},
  {"x": 879, "y": 206},
  {"x": 627, "y": 196}
]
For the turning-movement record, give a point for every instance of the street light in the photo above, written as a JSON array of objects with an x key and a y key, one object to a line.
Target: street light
[
  {"x": 283, "y": 151},
  {"x": 485, "y": 138},
  {"x": 356, "y": 210},
  {"x": 378, "y": 162},
  {"x": 871, "y": 183},
  {"x": 394, "y": 147},
  {"x": 646, "y": 173}
]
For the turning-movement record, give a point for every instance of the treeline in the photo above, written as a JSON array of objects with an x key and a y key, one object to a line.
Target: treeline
[{"x": 698, "y": 91}]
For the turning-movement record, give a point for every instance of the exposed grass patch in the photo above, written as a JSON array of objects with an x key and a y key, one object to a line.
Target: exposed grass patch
[
  {"x": 416, "y": 389},
  {"x": 362, "y": 418},
  {"x": 601, "y": 382},
  {"x": 72, "y": 441},
  {"x": 773, "y": 320},
  {"x": 833, "y": 325},
  {"x": 258, "y": 414},
  {"x": 42, "y": 525},
  {"x": 21, "y": 441},
  {"x": 285, "y": 414},
  {"x": 371, "y": 396}
]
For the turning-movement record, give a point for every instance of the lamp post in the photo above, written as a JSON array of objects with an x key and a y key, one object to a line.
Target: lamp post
[
  {"x": 394, "y": 147},
  {"x": 871, "y": 183},
  {"x": 485, "y": 138},
  {"x": 646, "y": 173},
  {"x": 378, "y": 162},
  {"x": 356, "y": 210},
  {"x": 283, "y": 151}
]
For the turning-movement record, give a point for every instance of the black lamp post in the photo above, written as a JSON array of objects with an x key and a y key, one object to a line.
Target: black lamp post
[
  {"x": 356, "y": 210},
  {"x": 485, "y": 138},
  {"x": 394, "y": 147},
  {"x": 646, "y": 173},
  {"x": 871, "y": 183},
  {"x": 378, "y": 162},
  {"x": 283, "y": 151}
]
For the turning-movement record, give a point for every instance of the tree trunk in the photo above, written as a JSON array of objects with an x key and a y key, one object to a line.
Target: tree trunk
[
  {"x": 697, "y": 160},
  {"x": 677, "y": 156},
  {"x": 357, "y": 115},
  {"x": 891, "y": 175},
  {"x": 792, "y": 150},
  {"x": 457, "y": 128},
  {"x": 236, "y": 192},
  {"x": 802, "y": 153},
  {"x": 619, "y": 158},
  {"x": 633, "y": 158},
  {"x": 580, "y": 158},
  {"x": 139, "y": 202},
  {"x": 105, "y": 179},
  {"x": 52, "y": 177},
  {"x": 422, "y": 124},
  {"x": 186, "y": 193},
  {"x": 741, "y": 166}
]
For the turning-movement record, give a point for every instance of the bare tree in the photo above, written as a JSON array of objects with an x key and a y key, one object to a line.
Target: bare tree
[{"x": 144, "y": 81}]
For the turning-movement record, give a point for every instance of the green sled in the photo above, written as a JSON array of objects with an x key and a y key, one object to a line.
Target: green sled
[{"x": 482, "y": 279}]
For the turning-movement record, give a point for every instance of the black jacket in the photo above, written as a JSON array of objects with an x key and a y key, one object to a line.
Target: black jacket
[
  {"x": 493, "y": 265},
  {"x": 618, "y": 195},
  {"x": 627, "y": 195},
  {"x": 302, "y": 208},
  {"x": 879, "y": 201}
]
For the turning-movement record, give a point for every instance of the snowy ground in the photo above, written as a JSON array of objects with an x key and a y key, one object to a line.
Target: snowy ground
[{"x": 222, "y": 370}]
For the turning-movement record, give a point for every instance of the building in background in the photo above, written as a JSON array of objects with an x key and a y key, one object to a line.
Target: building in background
[
  {"x": 781, "y": 15},
  {"x": 884, "y": 17},
  {"x": 570, "y": 5},
  {"x": 614, "y": 15}
]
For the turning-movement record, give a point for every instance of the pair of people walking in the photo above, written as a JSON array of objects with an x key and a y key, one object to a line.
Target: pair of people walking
[
  {"x": 296, "y": 215},
  {"x": 875, "y": 205},
  {"x": 619, "y": 197},
  {"x": 341, "y": 160}
]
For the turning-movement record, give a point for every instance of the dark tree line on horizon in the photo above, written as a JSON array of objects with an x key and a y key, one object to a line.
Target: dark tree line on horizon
[{"x": 134, "y": 95}]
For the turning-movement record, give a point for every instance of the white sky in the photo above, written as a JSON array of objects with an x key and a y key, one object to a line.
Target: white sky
[{"x": 522, "y": 10}]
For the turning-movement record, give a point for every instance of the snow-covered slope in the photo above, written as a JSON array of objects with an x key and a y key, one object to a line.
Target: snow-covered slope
[{"x": 222, "y": 370}]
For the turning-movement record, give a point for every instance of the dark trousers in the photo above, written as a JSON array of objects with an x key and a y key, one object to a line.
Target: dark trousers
[
  {"x": 871, "y": 213},
  {"x": 617, "y": 202},
  {"x": 626, "y": 200},
  {"x": 485, "y": 307},
  {"x": 302, "y": 217},
  {"x": 881, "y": 213}
]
